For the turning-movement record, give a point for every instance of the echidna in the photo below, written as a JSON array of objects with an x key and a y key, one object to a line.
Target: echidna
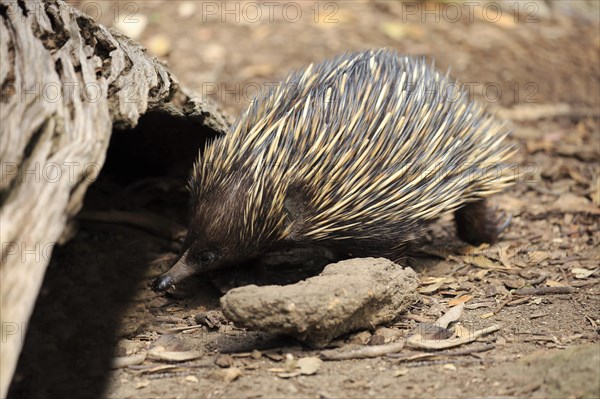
[{"x": 355, "y": 154}]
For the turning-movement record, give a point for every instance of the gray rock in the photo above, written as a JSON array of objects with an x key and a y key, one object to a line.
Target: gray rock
[
  {"x": 569, "y": 373},
  {"x": 347, "y": 296}
]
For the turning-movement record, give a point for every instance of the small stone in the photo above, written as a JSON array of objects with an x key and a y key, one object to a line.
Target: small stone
[
  {"x": 432, "y": 331},
  {"x": 224, "y": 361},
  {"x": 191, "y": 378},
  {"x": 231, "y": 374},
  {"x": 290, "y": 362},
  {"x": 211, "y": 319},
  {"x": 390, "y": 334},
  {"x": 449, "y": 367},
  {"x": 309, "y": 365},
  {"x": 360, "y": 338},
  {"x": 400, "y": 372},
  {"x": 377, "y": 340},
  {"x": 256, "y": 354}
]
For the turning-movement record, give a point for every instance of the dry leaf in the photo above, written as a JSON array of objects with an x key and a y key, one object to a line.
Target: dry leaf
[
  {"x": 460, "y": 300},
  {"x": 431, "y": 288},
  {"x": 470, "y": 250},
  {"x": 537, "y": 257},
  {"x": 531, "y": 112},
  {"x": 581, "y": 273},
  {"x": 450, "y": 316},
  {"x": 595, "y": 191},
  {"x": 503, "y": 255},
  {"x": 431, "y": 280},
  {"x": 577, "y": 176},
  {"x": 572, "y": 203},
  {"x": 482, "y": 261},
  {"x": 417, "y": 340}
]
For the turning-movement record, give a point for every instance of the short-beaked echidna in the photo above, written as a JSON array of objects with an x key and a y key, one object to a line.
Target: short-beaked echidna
[{"x": 356, "y": 154}]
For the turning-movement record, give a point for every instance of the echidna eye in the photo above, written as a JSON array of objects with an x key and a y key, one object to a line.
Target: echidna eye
[{"x": 207, "y": 257}]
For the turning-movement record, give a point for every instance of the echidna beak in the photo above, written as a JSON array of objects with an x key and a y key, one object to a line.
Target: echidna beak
[
  {"x": 178, "y": 272},
  {"x": 162, "y": 283}
]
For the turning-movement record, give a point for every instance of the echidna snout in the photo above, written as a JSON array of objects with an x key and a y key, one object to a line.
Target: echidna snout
[
  {"x": 162, "y": 283},
  {"x": 178, "y": 272},
  {"x": 192, "y": 262}
]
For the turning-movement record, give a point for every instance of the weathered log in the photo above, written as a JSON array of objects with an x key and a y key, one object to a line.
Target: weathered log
[{"x": 65, "y": 83}]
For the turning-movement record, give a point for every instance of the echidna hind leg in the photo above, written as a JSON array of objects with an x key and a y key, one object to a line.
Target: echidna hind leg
[{"x": 477, "y": 223}]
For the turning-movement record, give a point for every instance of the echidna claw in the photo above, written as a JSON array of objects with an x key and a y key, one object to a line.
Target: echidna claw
[{"x": 505, "y": 224}]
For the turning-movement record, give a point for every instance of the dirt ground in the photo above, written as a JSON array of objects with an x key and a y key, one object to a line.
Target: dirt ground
[{"x": 537, "y": 65}]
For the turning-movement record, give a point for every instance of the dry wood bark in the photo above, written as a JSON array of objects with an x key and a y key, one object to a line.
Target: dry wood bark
[{"x": 65, "y": 84}]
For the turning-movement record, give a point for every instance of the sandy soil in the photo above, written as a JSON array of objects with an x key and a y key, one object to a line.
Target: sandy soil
[{"x": 538, "y": 67}]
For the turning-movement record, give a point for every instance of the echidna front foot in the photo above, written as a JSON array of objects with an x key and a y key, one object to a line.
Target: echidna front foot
[
  {"x": 506, "y": 222},
  {"x": 477, "y": 223}
]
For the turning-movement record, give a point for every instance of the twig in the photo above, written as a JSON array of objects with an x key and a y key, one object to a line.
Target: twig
[
  {"x": 125, "y": 361},
  {"x": 533, "y": 112},
  {"x": 362, "y": 352},
  {"x": 501, "y": 305},
  {"x": 158, "y": 368},
  {"x": 417, "y": 341},
  {"x": 191, "y": 364},
  {"x": 461, "y": 352},
  {"x": 544, "y": 338},
  {"x": 178, "y": 329},
  {"x": 544, "y": 290},
  {"x": 518, "y": 301},
  {"x": 154, "y": 224},
  {"x": 170, "y": 356},
  {"x": 170, "y": 319}
]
